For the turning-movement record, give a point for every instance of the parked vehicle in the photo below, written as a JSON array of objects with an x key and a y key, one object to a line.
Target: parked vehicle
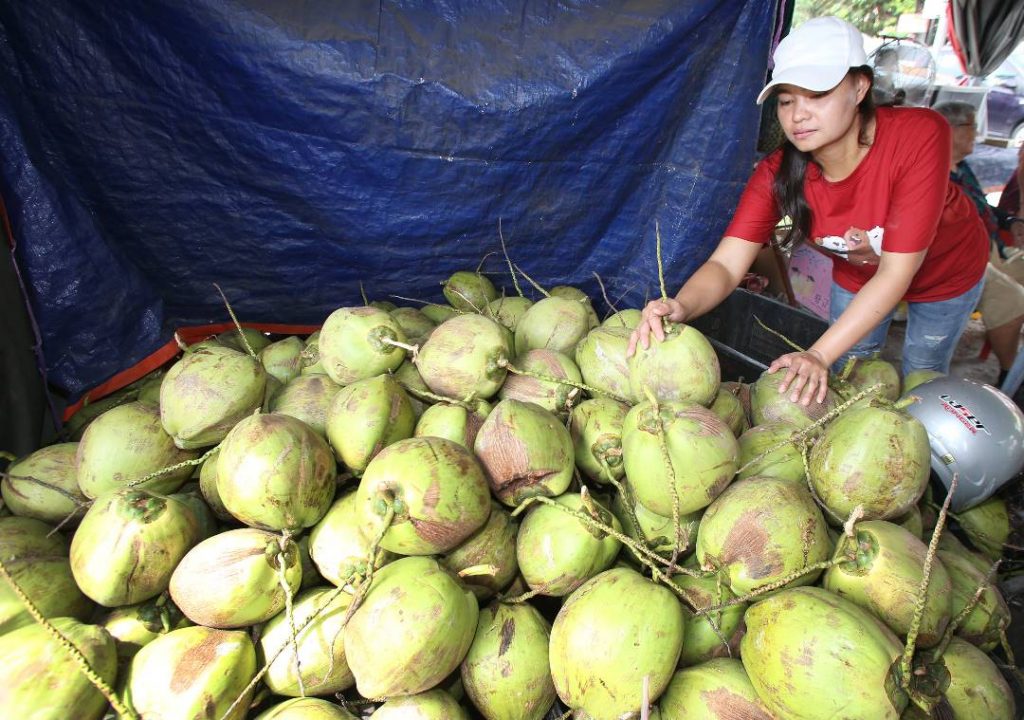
[{"x": 1005, "y": 100}]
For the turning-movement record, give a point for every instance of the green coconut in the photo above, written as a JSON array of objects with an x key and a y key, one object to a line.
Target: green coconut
[
  {"x": 194, "y": 672},
  {"x": 367, "y": 416},
  {"x": 557, "y": 552},
  {"x": 232, "y": 580},
  {"x": 718, "y": 689},
  {"x": 435, "y": 489},
  {"x": 38, "y": 562},
  {"x": 509, "y": 310},
  {"x": 44, "y": 485},
  {"x": 659, "y": 533},
  {"x": 882, "y": 572},
  {"x": 702, "y": 451},
  {"x": 911, "y": 522},
  {"x": 812, "y": 655},
  {"x": 128, "y": 545},
  {"x": 709, "y": 636},
  {"x": 616, "y": 631},
  {"x": 761, "y": 530},
  {"x": 321, "y": 650},
  {"x": 493, "y": 547},
  {"x": 414, "y": 324},
  {"x": 506, "y": 673},
  {"x": 208, "y": 487},
  {"x": 135, "y": 626},
  {"x": 681, "y": 368},
  {"x": 558, "y": 394},
  {"x": 452, "y": 422},
  {"x": 92, "y": 409},
  {"x": 595, "y": 427},
  {"x": 206, "y": 392},
  {"x": 407, "y": 647},
  {"x": 983, "y": 625},
  {"x": 601, "y": 358},
  {"x": 574, "y": 293},
  {"x": 465, "y": 357},
  {"x": 308, "y": 398},
  {"x": 977, "y": 689},
  {"x": 309, "y": 360},
  {"x": 191, "y": 494},
  {"x": 339, "y": 547},
  {"x": 868, "y": 372},
  {"x": 306, "y": 709},
  {"x": 950, "y": 543},
  {"x": 469, "y": 291},
  {"x": 431, "y": 705},
  {"x": 987, "y": 526},
  {"x": 124, "y": 445},
  {"x": 729, "y": 408},
  {"x": 785, "y": 462},
  {"x": 628, "y": 318},
  {"x": 873, "y": 456},
  {"x": 526, "y": 451},
  {"x": 276, "y": 473},
  {"x": 357, "y": 343},
  {"x": 553, "y": 323},
  {"x": 233, "y": 339},
  {"x": 439, "y": 313},
  {"x": 916, "y": 377},
  {"x": 767, "y": 404},
  {"x": 283, "y": 359},
  {"x": 44, "y": 681}
]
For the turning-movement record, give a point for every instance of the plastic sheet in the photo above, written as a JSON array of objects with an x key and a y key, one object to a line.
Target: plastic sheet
[{"x": 291, "y": 151}]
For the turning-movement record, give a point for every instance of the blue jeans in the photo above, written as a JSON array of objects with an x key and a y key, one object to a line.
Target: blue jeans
[{"x": 933, "y": 330}]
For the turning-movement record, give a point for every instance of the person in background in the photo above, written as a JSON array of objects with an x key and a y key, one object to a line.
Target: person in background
[
  {"x": 1002, "y": 300},
  {"x": 848, "y": 170},
  {"x": 1012, "y": 199}
]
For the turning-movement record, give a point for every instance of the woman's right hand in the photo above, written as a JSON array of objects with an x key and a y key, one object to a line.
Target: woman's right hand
[{"x": 652, "y": 322}]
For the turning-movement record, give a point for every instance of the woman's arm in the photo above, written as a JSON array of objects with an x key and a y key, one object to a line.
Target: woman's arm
[
  {"x": 807, "y": 372},
  {"x": 705, "y": 289}
]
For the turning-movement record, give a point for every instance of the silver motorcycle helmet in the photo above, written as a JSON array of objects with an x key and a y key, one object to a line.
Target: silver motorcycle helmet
[{"x": 975, "y": 431}]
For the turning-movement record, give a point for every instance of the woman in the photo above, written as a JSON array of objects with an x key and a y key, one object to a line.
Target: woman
[{"x": 848, "y": 170}]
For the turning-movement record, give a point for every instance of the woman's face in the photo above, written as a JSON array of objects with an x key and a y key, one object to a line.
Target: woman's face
[{"x": 813, "y": 120}]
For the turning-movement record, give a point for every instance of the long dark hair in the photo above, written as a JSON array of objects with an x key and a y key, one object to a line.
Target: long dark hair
[{"x": 789, "y": 182}]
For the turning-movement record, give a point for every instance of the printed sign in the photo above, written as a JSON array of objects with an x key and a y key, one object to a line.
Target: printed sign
[{"x": 810, "y": 274}]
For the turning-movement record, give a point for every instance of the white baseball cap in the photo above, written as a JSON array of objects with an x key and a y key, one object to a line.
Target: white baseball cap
[{"x": 817, "y": 55}]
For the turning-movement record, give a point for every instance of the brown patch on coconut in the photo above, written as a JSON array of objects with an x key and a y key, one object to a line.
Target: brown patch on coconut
[
  {"x": 748, "y": 544},
  {"x": 726, "y": 705},
  {"x": 508, "y": 631},
  {"x": 195, "y": 660}
]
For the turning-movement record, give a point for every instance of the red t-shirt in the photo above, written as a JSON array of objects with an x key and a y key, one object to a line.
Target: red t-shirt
[{"x": 901, "y": 186}]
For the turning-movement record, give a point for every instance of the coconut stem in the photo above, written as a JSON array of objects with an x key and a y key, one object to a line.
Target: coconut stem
[
  {"x": 627, "y": 500},
  {"x": 357, "y": 599},
  {"x": 850, "y": 526},
  {"x": 661, "y": 265},
  {"x": 771, "y": 587},
  {"x": 922, "y": 591},
  {"x": 779, "y": 335},
  {"x": 42, "y": 483},
  {"x": 431, "y": 396},
  {"x": 519, "y": 599},
  {"x": 511, "y": 270},
  {"x": 362, "y": 294},
  {"x": 4, "y": 455},
  {"x": 80, "y": 660},
  {"x": 645, "y": 699},
  {"x": 804, "y": 453},
  {"x": 558, "y": 381},
  {"x": 413, "y": 350},
  {"x": 238, "y": 325},
  {"x": 530, "y": 280},
  {"x": 171, "y": 468},
  {"x": 961, "y": 616},
  {"x": 282, "y": 543},
  {"x": 477, "y": 310},
  {"x": 677, "y": 526},
  {"x": 604, "y": 293}
]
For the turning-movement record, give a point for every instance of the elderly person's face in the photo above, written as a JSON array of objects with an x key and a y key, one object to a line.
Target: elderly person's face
[{"x": 963, "y": 139}]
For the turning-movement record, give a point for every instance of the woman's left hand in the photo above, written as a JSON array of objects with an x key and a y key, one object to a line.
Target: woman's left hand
[{"x": 806, "y": 376}]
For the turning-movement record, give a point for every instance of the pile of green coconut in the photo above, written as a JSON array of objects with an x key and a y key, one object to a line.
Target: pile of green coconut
[{"x": 486, "y": 510}]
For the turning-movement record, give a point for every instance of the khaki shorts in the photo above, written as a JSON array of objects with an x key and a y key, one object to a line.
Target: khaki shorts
[{"x": 1002, "y": 300}]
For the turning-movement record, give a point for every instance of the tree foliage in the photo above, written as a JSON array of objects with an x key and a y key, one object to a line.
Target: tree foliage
[{"x": 871, "y": 17}]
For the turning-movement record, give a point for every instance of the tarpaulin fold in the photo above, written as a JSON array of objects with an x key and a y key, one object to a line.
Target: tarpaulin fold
[{"x": 291, "y": 151}]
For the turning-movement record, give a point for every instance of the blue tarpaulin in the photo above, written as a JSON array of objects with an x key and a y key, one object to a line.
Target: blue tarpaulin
[{"x": 290, "y": 151}]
